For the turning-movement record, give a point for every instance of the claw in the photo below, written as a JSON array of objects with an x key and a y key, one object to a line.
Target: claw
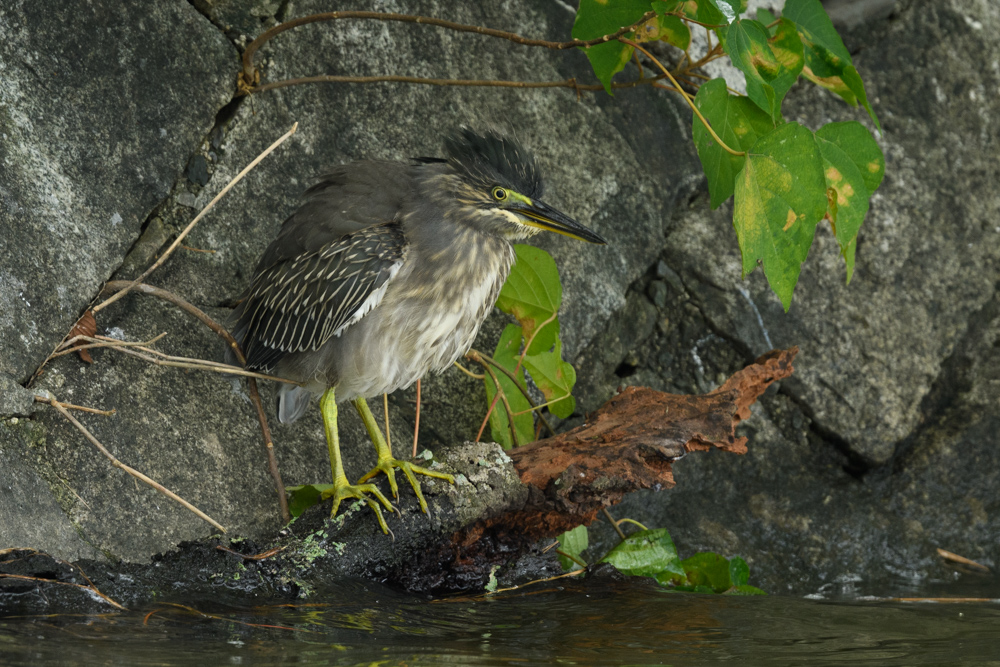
[
  {"x": 387, "y": 464},
  {"x": 340, "y": 492}
]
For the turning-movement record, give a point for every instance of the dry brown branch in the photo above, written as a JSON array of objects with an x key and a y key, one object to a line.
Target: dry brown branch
[
  {"x": 80, "y": 408},
  {"x": 114, "y": 342},
  {"x": 201, "y": 316},
  {"x": 474, "y": 83},
  {"x": 962, "y": 560},
  {"x": 626, "y": 445},
  {"x": 51, "y": 400},
  {"x": 180, "y": 237}
]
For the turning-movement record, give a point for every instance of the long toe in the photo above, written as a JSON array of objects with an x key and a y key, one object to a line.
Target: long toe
[{"x": 360, "y": 492}]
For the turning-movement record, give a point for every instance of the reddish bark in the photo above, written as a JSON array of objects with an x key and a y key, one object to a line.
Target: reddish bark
[
  {"x": 627, "y": 445},
  {"x": 85, "y": 326}
]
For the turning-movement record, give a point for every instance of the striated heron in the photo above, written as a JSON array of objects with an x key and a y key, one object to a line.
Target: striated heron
[{"x": 385, "y": 273}]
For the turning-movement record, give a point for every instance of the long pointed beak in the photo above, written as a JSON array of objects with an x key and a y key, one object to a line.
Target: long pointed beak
[{"x": 545, "y": 217}]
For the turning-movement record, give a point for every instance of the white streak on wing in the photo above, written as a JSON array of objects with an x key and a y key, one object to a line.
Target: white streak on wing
[{"x": 374, "y": 299}]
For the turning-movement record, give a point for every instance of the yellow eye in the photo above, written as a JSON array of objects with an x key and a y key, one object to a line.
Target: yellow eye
[{"x": 499, "y": 194}]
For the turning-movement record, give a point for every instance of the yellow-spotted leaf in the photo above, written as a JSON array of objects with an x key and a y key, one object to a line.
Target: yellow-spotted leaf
[
  {"x": 746, "y": 42},
  {"x": 853, "y": 166},
  {"x": 507, "y": 352},
  {"x": 738, "y": 122},
  {"x": 827, "y": 61},
  {"x": 780, "y": 196},
  {"x": 673, "y": 30}
]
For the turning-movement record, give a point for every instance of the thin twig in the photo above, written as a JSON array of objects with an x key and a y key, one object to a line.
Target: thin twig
[
  {"x": 114, "y": 342},
  {"x": 474, "y": 376},
  {"x": 474, "y": 83},
  {"x": 543, "y": 405},
  {"x": 614, "y": 523},
  {"x": 482, "y": 360},
  {"x": 506, "y": 406},
  {"x": 131, "y": 471},
  {"x": 265, "y": 429},
  {"x": 81, "y": 408},
  {"x": 204, "y": 211},
  {"x": 90, "y": 589},
  {"x": 573, "y": 558},
  {"x": 686, "y": 97},
  {"x": 248, "y": 76}
]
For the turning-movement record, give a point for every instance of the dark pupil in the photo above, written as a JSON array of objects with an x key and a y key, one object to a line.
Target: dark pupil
[{"x": 499, "y": 193}]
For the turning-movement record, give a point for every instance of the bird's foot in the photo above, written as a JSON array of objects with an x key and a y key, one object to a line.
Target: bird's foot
[
  {"x": 342, "y": 491},
  {"x": 387, "y": 466}
]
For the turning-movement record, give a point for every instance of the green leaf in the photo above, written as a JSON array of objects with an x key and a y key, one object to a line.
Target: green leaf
[
  {"x": 646, "y": 553},
  {"x": 744, "y": 590},
  {"x": 555, "y": 378},
  {"x": 708, "y": 569},
  {"x": 573, "y": 542},
  {"x": 768, "y": 80},
  {"x": 533, "y": 294},
  {"x": 739, "y": 571},
  {"x": 767, "y": 18},
  {"x": 855, "y": 140},
  {"x": 827, "y": 61},
  {"x": 786, "y": 45},
  {"x": 730, "y": 9},
  {"x": 301, "y": 498},
  {"x": 780, "y": 196},
  {"x": 507, "y": 352},
  {"x": 702, "y": 10},
  {"x": 853, "y": 166},
  {"x": 673, "y": 30},
  {"x": 738, "y": 122},
  {"x": 594, "y": 19}
]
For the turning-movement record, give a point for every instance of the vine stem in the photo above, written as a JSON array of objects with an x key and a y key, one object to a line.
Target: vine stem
[
  {"x": 249, "y": 76},
  {"x": 686, "y": 97}
]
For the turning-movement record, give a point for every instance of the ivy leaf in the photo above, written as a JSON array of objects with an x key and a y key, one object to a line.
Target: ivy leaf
[
  {"x": 573, "y": 542},
  {"x": 738, "y": 122},
  {"x": 786, "y": 45},
  {"x": 647, "y": 553},
  {"x": 301, "y": 498},
  {"x": 710, "y": 570},
  {"x": 703, "y": 11},
  {"x": 673, "y": 30},
  {"x": 507, "y": 352},
  {"x": 596, "y": 18},
  {"x": 855, "y": 140},
  {"x": 849, "y": 154},
  {"x": 746, "y": 43},
  {"x": 555, "y": 378},
  {"x": 730, "y": 9},
  {"x": 780, "y": 196},
  {"x": 739, "y": 571},
  {"x": 533, "y": 294},
  {"x": 827, "y": 61}
]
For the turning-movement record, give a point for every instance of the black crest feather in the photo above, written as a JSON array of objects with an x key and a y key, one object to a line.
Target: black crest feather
[{"x": 492, "y": 158}]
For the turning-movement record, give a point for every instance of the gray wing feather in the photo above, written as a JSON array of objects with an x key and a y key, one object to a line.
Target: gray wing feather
[{"x": 298, "y": 304}]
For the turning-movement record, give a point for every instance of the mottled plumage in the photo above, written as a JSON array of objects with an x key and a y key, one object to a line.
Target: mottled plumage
[
  {"x": 385, "y": 274},
  {"x": 379, "y": 278}
]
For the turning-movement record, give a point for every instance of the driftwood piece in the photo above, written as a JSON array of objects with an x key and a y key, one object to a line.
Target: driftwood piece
[{"x": 626, "y": 445}]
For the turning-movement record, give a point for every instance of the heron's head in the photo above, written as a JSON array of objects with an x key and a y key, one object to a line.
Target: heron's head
[{"x": 499, "y": 179}]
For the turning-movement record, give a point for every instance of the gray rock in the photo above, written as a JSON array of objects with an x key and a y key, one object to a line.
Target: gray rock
[
  {"x": 15, "y": 400},
  {"x": 100, "y": 107}
]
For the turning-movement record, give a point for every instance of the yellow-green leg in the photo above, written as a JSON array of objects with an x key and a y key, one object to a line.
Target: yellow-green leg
[
  {"x": 341, "y": 487},
  {"x": 386, "y": 462}
]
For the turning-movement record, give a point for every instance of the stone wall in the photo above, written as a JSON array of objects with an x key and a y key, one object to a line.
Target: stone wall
[{"x": 879, "y": 450}]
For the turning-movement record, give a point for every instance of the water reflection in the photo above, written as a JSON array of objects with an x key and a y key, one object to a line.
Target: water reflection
[{"x": 572, "y": 623}]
